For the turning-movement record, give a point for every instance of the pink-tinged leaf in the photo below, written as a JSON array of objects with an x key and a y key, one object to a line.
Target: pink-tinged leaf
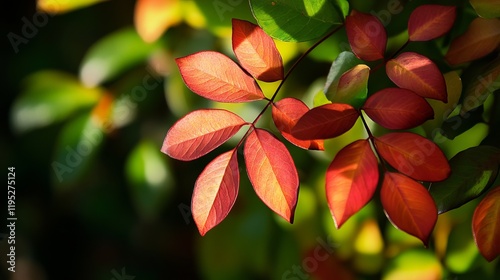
[
  {"x": 272, "y": 172},
  {"x": 256, "y": 51},
  {"x": 353, "y": 86},
  {"x": 286, "y": 113},
  {"x": 351, "y": 180},
  {"x": 200, "y": 132},
  {"x": 216, "y": 77},
  {"x": 408, "y": 205},
  {"x": 326, "y": 121},
  {"x": 428, "y": 22},
  {"x": 416, "y": 72},
  {"x": 153, "y": 17},
  {"x": 486, "y": 225},
  {"x": 215, "y": 191},
  {"x": 366, "y": 35},
  {"x": 413, "y": 155},
  {"x": 398, "y": 108},
  {"x": 481, "y": 38}
]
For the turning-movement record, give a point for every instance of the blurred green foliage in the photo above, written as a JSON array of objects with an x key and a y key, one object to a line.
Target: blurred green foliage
[{"x": 86, "y": 107}]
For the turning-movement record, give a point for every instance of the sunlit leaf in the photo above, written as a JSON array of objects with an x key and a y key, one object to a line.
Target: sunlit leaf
[
  {"x": 59, "y": 7},
  {"x": 344, "y": 61},
  {"x": 272, "y": 172},
  {"x": 397, "y": 108},
  {"x": 326, "y": 121},
  {"x": 286, "y": 113},
  {"x": 199, "y": 132},
  {"x": 428, "y": 22},
  {"x": 413, "y": 155},
  {"x": 149, "y": 179},
  {"x": 352, "y": 87},
  {"x": 215, "y": 191},
  {"x": 153, "y": 17},
  {"x": 77, "y": 145},
  {"x": 408, "y": 205},
  {"x": 486, "y": 8},
  {"x": 473, "y": 171},
  {"x": 48, "y": 97},
  {"x": 216, "y": 77},
  {"x": 256, "y": 51},
  {"x": 351, "y": 180},
  {"x": 480, "y": 39},
  {"x": 482, "y": 86},
  {"x": 113, "y": 55},
  {"x": 296, "y": 20},
  {"x": 366, "y": 35},
  {"x": 416, "y": 72},
  {"x": 486, "y": 225}
]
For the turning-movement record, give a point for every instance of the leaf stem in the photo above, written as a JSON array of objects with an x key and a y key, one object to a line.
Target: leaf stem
[{"x": 371, "y": 139}]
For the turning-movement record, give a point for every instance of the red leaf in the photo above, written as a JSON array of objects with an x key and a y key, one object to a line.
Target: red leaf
[
  {"x": 428, "y": 22},
  {"x": 417, "y": 73},
  {"x": 397, "y": 108},
  {"x": 199, "y": 132},
  {"x": 366, "y": 35},
  {"x": 486, "y": 225},
  {"x": 256, "y": 51},
  {"x": 408, "y": 205},
  {"x": 286, "y": 113},
  {"x": 272, "y": 172},
  {"x": 351, "y": 180},
  {"x": 481, "y": 38},
  {"x": 215, "y": 191},
  {"x": 413, "y": 155},
  {"x": 326, "y": 121},
  {"x": 216, "y": 77}
]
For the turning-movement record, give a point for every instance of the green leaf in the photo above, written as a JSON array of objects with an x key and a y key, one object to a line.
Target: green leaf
[
  {"x": 472, "y": 172},
  {"x": 149, "y": 179},
  {"x": 481, "y": 86},
  {"x": 59, "y": 7},
  {"x": 296, "y": 20},
  {"x": 417, "y": 263},
  {"x": 486, "y": 8},
  {"x": 113, "y": 55},
  {"x": 352, "y": 87},
  {"x": 345, "y": 61},
  {"x": 76, "y": 149},
  {"x": 48, "y": 97},
  {"x": 343, "y": 5}
]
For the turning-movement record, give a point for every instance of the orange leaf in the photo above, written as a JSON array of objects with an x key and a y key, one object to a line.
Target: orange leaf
[
  {"x": 480, "y": 39},
  {"x": 417, "y": 73},
  {"x": 366, "y": 35},
  {"x": 351, "y": 180},
  {"x": 272, "y": 172},
  {"x": 216, "y": 77},
  {"x": 408, "y": 205},
  {"x": 215, "y": 191},
  {"x": 286, "y": 113},
  {"x": 256, "y": 51},
  {"x": 428, "y": 22},
  {"x": 153, "y": 17},
  {"x": 413, "y": 155},
  {"x": 397, "y": 108},
  {"x": 200, "y": 132},
  {"x": 486, "y": 225},
  {"x": 326, "y": 121}
]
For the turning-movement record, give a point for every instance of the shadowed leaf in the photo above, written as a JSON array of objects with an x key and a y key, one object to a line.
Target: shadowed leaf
[
  {"x": 484, "y": 84},
  {"x": 486, "y": 225},
  {"x": 417, "y": 73},
  {"x": 408, "y": 205},
  {"x": 200, "y": 132},
  {"x": 256, "y": 51},
  {"x": 413, "y": 155},
  {"x": 344, "y": 61},
  {"x": 428, "y": 22},
  {"x": 486, "y": 8},
  {"x": 272, "y": 172},
  {"x": 351, "y": 180},
  {"x": 352, "y": 87},
  {"x": 366, "y": 35},
  {"x": 397, "y": 108},
  {"x": 286, "y": 113},
  {"x": 216, "y": 77}
]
